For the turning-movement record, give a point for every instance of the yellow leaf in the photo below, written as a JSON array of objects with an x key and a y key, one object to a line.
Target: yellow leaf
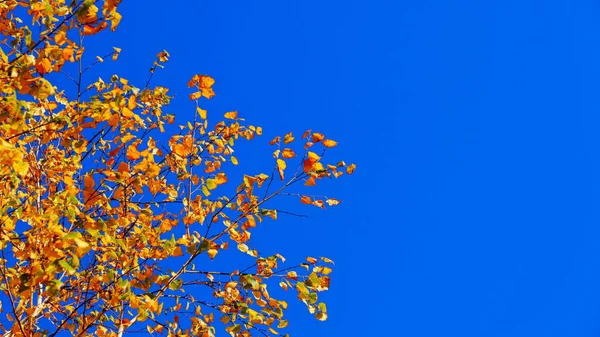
[
  {"x": 131, "y": 104},
  {"x": 288, "y": 138},
  {"x": 292, "y": 275},
  {"x": 115, "y": 19},
  {"x": 231, "y": 115},
  {"x": 211, "y": 184},
  {"x": 313, "y": 156},
  {"x": 221, "y": 178},
  {"x": 212, "y": 253},
  {"x": 326, "y": 260},
  {"x": 280, "y": 167},
  {"x": 281, "y": 164},
  {"x": 350, "y": 169},
  {"x": 21, "y": 167},
  {"x": 8, "y": 225},
  {"x": 195, "y": 95},
  {"x": 126, "y": 112},
  {"x": 60, "y": 37},
  {"x": 201, "y": 112},
  {"x": 311, "y": 161},
  {"x": 329, "y": 143},
  {"x": 42, "y": 89},
  {"x": 115, "y": 55},
  {"x": 234, "y": 160}
]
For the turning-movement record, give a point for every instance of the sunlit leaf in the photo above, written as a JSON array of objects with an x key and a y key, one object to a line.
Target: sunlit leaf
[
  {"x": 231, "y": 115},
  {"x": 329, "y": 143}
]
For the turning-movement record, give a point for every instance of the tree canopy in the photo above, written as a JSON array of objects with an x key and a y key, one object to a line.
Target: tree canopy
[{"x": 105, "y": 214}]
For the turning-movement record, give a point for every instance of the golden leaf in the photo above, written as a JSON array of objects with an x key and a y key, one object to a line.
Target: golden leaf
[
  {"x": 311, "y": 260},
  {"x": 212, "y": 253},
  {"x": 221, "y": 178},
  {"x": 329, "y": 143},
  {"x": 231, "y": 115},
  {"x": 288, "y": 153},
  {"x": 317, "y": 137},
  {"x": 60, "y": 37},
  {"x": 326, "y": 260},
  {"x": 132, "y": 152},
  {"x": 288, "y": 138},
  {"x": 201, "y": 112}
]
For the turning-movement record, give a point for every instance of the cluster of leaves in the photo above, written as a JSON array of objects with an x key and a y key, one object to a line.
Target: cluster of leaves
[{"x": 94, "y": 200}]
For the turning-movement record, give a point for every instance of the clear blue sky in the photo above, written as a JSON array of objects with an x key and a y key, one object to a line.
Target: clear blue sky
[{"x": 474, "y": 210}]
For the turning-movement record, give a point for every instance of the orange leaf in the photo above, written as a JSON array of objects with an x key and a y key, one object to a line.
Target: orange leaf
[
  {"x": 288, "y": 153},
  {"x": 275, "y": 140},
  {"x": 231, "y": 115},
  {"x": 317, "y": 137},
  {"x": 311, "y": 181},
  {"x": 221, "y": 178},
  {"x": 123, "y": 167},
  {"x": 132, "y": 152},
  {"x": 288, "y": 138},
  {"x": 178, "y": 251},
  {"x": 204, "y": 83},
  {"x": 306, "y": 200},
  {"x": 329, "y": 143},
  {"x": 115, "y": 151},
  {"x": 91, "y": 30},
  {"x": 311, "y": 161},
  {"x": 60, "y": 37}
]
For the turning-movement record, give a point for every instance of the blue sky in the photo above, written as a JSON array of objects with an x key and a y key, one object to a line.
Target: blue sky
[{"x": 474, "y": 125}]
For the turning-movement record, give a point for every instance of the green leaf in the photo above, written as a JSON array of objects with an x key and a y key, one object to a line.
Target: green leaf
[
  {"x": 176, "y": 284},
  {"x": 66, "y": 266},
  {"x": 211, "y": 184}
]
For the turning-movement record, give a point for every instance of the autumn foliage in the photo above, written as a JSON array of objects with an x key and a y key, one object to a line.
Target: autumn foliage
[{"x": 105, "y": 216}]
